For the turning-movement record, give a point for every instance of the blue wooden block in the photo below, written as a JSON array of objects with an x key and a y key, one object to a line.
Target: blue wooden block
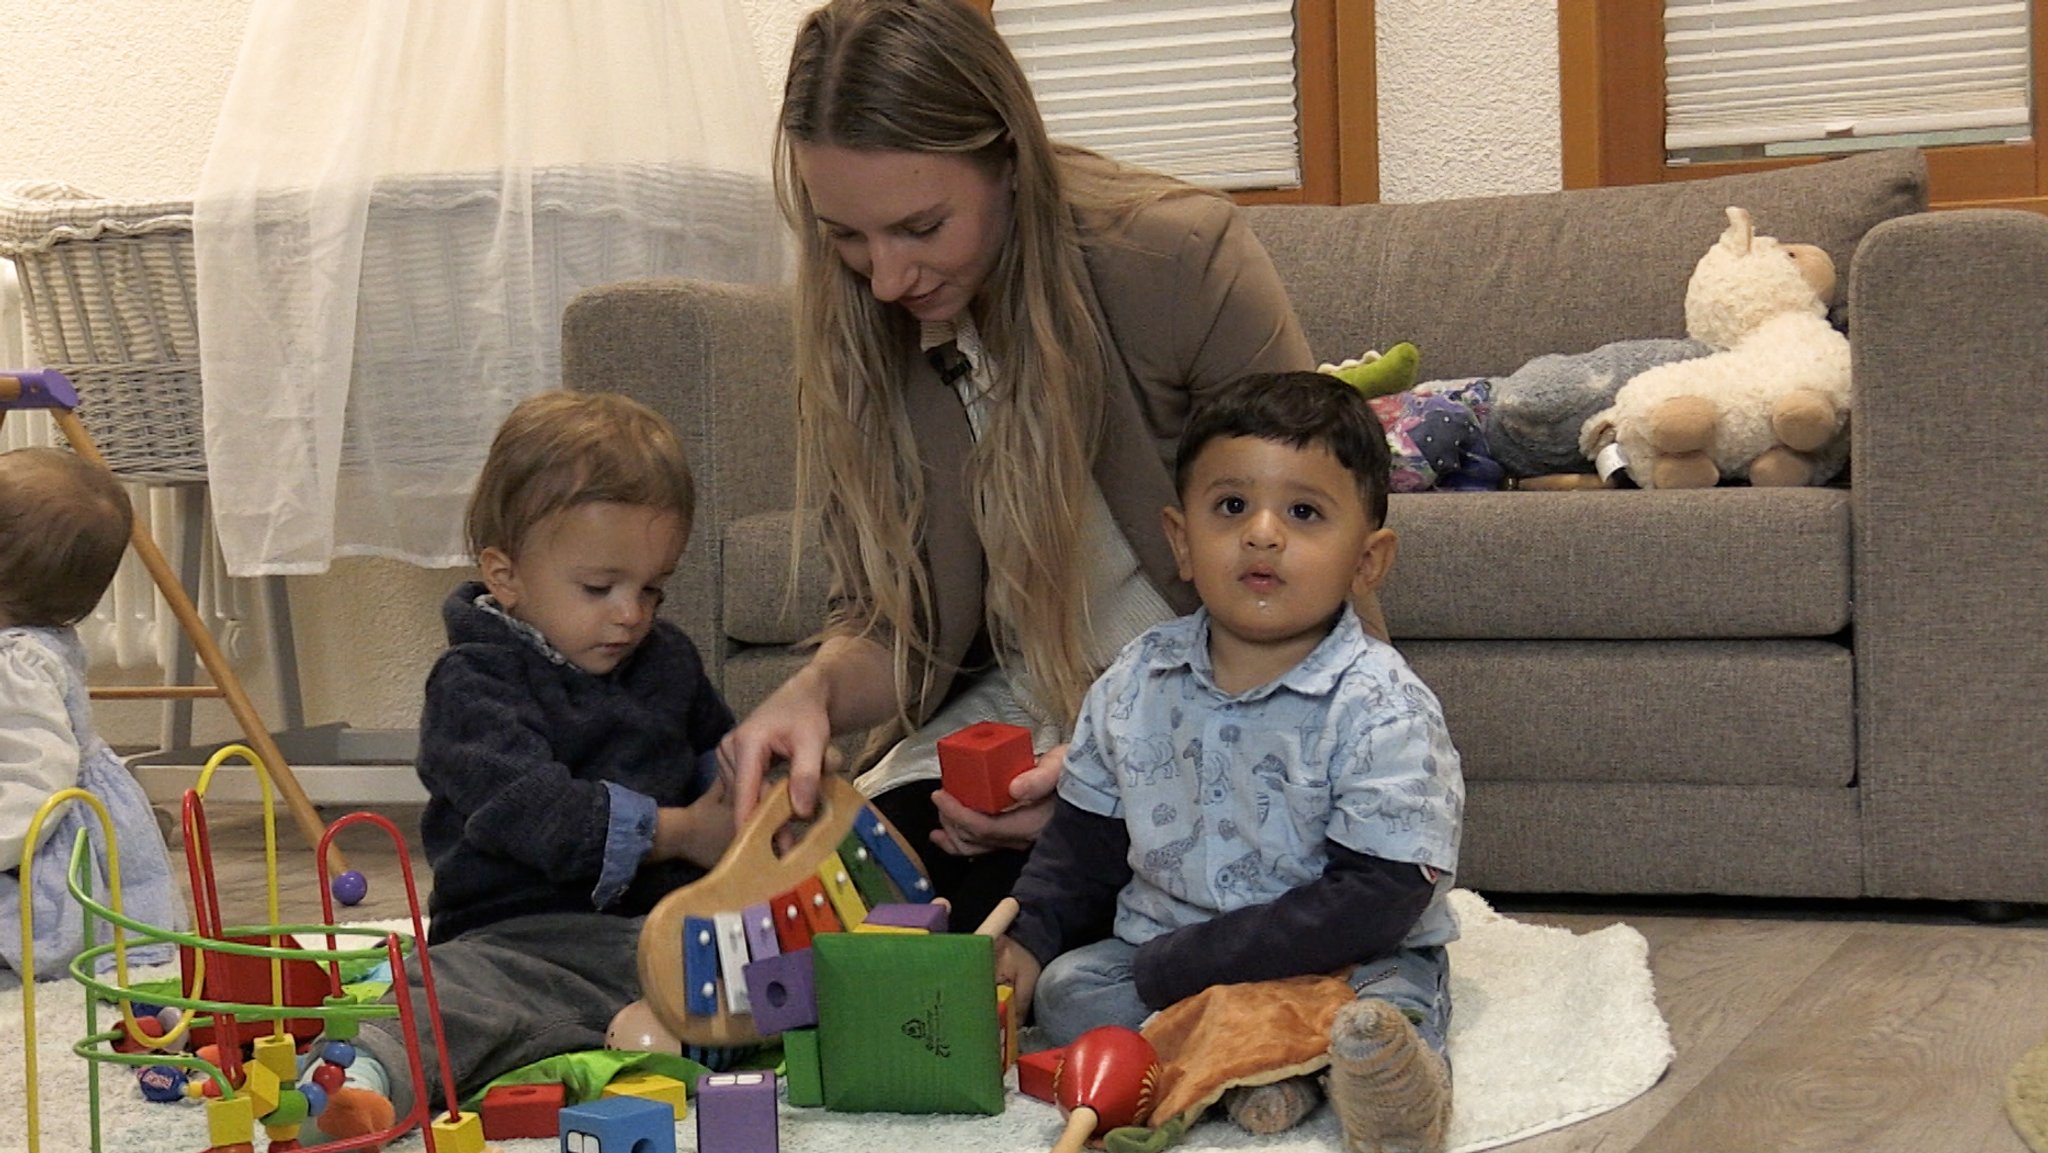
[
  {"x": 619, "y": 1125},
  {"x": 700, "y": 967},
  {"x": 909, "y": 879}
]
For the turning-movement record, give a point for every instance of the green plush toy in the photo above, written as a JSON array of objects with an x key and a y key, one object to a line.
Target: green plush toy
[{"x": 1379, "y": 373}]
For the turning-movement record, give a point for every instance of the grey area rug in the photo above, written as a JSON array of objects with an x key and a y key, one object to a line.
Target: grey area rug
[{"x": 1550, "y": 1027}]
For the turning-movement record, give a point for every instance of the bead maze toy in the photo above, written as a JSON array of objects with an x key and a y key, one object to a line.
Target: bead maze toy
[{"x": 262, "y": 1089}]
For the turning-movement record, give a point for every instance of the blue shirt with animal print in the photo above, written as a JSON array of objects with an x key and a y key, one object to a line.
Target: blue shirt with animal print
[{"x": 1229, "y": 799}]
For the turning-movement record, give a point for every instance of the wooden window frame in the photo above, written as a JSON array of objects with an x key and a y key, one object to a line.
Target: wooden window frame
[
  {"x": 1610, "y": 56},
  {"x": 1336, "y": 86}
]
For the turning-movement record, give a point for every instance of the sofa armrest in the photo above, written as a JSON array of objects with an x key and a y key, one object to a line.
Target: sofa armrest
[
  {"x": 715, "y": 359},
  {"x": 1948, "y": 319}
]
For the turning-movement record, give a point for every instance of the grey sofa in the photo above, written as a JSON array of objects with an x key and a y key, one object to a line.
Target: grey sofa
[{"x": 1821, "y": 692}]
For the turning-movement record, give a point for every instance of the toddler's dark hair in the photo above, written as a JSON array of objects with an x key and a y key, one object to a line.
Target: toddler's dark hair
[
  {"x": 64, "y": 525},
  {"x": 1297, "y": 409},
  {"x": 560, "y": 449}
]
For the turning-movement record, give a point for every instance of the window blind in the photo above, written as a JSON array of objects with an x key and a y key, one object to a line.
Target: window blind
[
  {"x": 1746, "y": 72},
  {"x": 1203, "y": 91}
]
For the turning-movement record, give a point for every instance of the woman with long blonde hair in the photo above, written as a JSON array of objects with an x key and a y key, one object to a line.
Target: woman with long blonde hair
[{"x": 998, "y": 340}]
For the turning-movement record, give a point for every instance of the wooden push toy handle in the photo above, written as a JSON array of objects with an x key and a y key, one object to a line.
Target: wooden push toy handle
[{"x": 750, "y": 873}]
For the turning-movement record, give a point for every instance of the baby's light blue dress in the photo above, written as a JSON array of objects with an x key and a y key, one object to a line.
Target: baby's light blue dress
[{"x": 147, "y": 891}]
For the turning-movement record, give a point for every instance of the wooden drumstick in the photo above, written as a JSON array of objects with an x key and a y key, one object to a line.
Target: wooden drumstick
[
  {"x": 1104, "y": 1081},
  {"x": 998, "y": 921}
]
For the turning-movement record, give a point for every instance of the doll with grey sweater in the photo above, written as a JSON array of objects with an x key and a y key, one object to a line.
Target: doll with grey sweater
[{"x": 1532, "y": 427}]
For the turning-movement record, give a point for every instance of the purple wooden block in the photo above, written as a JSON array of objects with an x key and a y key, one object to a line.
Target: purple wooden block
[
  {"x": 736, "y": 1113},
  {"x": 40, "y": 388},
  {"x": 783, "y": 991},
  {"x": 931, "y": 918},
  {"x": 760, "y": 924}
]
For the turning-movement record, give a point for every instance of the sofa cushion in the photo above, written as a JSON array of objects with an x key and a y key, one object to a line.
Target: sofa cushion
[
  {"x": 1746, "y": 713},
  {"x": 1620, "y": 564},
  {"x": 1485, "y": 285},
  {"x": 755, "y": 580},
  {"x": 1614, "y": 565}
]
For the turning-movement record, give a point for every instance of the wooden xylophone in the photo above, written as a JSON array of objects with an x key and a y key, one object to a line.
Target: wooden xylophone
[{"x": 755, "y": 903}]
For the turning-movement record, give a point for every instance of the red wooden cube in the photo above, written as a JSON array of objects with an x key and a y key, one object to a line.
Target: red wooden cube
[
  {"x": 1035, "y": 1073},
  {"x": 977, "y": 763},
  {"x": 513, "y": 1111}
]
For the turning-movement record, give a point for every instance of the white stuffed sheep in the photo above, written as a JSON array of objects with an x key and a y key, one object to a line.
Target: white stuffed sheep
[{"x": 1770, "y": 404}]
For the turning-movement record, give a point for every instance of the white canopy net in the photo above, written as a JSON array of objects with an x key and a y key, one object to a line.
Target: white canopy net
[{"x": 400, "y": 197}]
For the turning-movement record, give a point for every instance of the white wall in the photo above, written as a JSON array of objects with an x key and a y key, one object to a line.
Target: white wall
[
  {"x": 123, "y": 104},
  {"x": 1468, "y": 98}
]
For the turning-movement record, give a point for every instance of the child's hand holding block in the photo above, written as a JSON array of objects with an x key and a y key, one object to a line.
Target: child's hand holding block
[{"x": 977, "y": 763}]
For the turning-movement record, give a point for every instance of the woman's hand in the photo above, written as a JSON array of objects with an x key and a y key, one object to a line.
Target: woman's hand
[
  {"x": 792, "y": 726},
  {"x": 847, "y": 687},
  {"x": 964, "y": 832}
]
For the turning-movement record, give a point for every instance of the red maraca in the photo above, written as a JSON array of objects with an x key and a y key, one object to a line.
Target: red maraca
[{"x": 1105, "y": 1081}]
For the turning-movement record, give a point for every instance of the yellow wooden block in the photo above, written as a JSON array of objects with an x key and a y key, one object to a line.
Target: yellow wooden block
[
  {"x": 840, "y": 891},
  {"x": 261, "y": 1084},
  {"x": 1007, "y": 1023},
  {"x": 871, "y": 927},
  {"x": 653, "y": 1087},
  {"x": 464, "y": 1134},
  {"x": 279, "y": 1055},
  {"x": 231, "y": 1121}
]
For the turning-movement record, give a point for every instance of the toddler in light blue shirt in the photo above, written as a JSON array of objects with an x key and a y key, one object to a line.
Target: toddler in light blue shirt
[{"x": 1262, "y": 790}]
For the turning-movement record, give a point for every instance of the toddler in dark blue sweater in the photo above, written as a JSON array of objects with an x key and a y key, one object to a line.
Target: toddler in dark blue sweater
[{"x": 567, "y": 744}]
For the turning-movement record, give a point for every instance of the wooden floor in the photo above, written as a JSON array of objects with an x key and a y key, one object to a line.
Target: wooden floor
[{"x": 1831, "y": 1027}]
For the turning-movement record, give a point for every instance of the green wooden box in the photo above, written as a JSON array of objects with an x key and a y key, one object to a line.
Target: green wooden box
[{"x": 907, "y": 1023}]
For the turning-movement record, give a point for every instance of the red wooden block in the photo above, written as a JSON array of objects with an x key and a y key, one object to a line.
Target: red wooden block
[
  {"x": 1035, "y": 1073},
  {"x": 513, "y": 1111},
  {"x": 977, "y": 763}
]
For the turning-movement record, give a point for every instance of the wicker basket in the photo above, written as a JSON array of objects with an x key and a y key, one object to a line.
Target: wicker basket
[{"x": 108, "y": 292}]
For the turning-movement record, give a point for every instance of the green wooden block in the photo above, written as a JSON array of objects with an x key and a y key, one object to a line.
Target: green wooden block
[
  {"x": 866, "y": 873},
  {"x": 907, "y": 1022},
  {"x": 800, "y": 1070}
]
